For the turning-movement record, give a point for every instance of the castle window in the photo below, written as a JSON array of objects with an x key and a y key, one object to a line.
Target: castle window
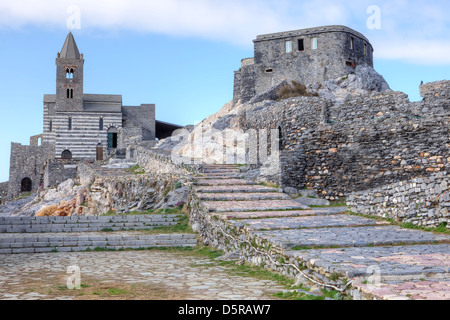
[
  {"x": 270, "y": 70},
  {"x": 67, "y": 74},
  {"x": 70, "y": 123},
  {"x": 365, "y": 49},
  {"x": 71, "y": 74},
  {"x": 301, "y": 45},
  {"x": 314, "y": 43},
  {"x": 69, "y": 93},
  {"x": 352, "y": 43},
  {"x": 288, "y": 46},
  {"x": 51, "y": 126},
  {"x": 100, "y": 124}
]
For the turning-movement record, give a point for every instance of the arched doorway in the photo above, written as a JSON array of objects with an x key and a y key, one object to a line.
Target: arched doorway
[
  {"x": 66, "y": 154},
  {"x": 26, "y": 185},
  {"x": 112, "y": 138}
]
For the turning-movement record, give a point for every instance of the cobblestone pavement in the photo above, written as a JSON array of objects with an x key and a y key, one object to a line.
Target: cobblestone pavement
[
  {"x": 409, "y": 264},
  {"x": 181, "y": 275}
]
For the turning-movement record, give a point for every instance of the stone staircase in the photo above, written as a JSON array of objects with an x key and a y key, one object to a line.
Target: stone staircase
[
  {"x": 81, "y": 233},
  {"x": 406, "y": 264}
]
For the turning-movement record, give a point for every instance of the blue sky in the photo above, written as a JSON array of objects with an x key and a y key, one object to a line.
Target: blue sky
[{"x": 181, "y": 54}]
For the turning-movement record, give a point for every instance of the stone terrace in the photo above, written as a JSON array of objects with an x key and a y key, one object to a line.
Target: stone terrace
[
  {"x": 74, "y": 234},
  {"x": 384, "y": 261}
]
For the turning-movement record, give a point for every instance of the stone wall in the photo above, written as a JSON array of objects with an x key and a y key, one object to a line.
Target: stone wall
[
  {"x": 3, "y": 191},
  {"x": 57, "y": 171},
  {"x": 26, "y": 162},
  {"x": 365, "y": 142},
  {"x": 421, "y": 201}
]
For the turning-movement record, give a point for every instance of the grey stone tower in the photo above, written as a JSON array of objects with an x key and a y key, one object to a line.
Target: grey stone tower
[{"x": 69, "y": 77}]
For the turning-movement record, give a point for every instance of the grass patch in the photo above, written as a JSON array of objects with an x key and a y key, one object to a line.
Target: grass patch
[
  {"x": 182, "y": 226},
  {"x": 442, "y": 228},
  {"x": 177, "y": 185},
  {"x": 296, "y": 295},
  {"x": 136, "y": 169},
  {"x": 269, "y": 184},
  {"x": 295, "y": 90},
  {"x": 333, "y": 204}
]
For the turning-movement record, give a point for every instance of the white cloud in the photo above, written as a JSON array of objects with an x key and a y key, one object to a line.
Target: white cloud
[{"x": 412, "y": 30}]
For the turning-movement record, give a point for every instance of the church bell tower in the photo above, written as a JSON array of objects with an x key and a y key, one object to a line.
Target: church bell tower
[{"x": 69, "y": 77}]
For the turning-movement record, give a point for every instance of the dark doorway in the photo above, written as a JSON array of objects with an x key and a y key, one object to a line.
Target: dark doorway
[
  {"x": 280, "y": 138},
  {"x": 66, "y": 154},
  {"x": 112, "y": 138},
  {"x": 26, "y": 185}
]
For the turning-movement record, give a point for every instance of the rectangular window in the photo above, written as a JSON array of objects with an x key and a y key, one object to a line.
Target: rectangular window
[
  {"x": 314, "y": 43},
  {"x": 70, "y": 123},
  {"x": 51, "y": 126},
  {"x": 301, "y": 45},
  {"x": 365, "y": 49},
  {"x": 288, "y": 46},
  {"x": 352, "y": 43}
]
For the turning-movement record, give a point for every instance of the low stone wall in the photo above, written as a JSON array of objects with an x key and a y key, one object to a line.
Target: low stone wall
[{"x": 421, "y": 201}]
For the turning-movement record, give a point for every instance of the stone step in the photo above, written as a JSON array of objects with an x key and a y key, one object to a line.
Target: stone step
[
  {"x": 63, "y": 242},
  {"x": 420, "y": 287},
  {"x": 246, "y": 196},
  {"x": 235, "y": 189},
  {"x": 279, "y": 214},
  {"x": 349, "y": 237},
  {"x": 219, "y": 177},
  {"x": 85, "y": 224},
  {"x": 392, "y": 262},
  {"x": 261, "y": 205},
  {"x": 220, "y": 172},
  {"x": 223, "y": 182},
  {"x": 90, "y": 219},
  {"x": 341, "y": 220}
]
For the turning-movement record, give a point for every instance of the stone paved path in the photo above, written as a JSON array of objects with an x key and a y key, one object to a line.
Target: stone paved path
[
  {"x": 178, "y": 275},
  {"x": 406, "y": 264}
]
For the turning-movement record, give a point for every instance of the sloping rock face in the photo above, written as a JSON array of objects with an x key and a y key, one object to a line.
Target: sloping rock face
[
  {"x": 110, "y": 189},
  {"x": 365, "y": 80}
]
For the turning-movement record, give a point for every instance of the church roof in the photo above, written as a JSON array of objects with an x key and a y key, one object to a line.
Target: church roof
[{"x": 70, "y": 49}]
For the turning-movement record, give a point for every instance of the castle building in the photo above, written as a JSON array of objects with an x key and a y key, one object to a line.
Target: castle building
[
  {"x": 307, "y": 56},
  {"x": 79, "y": 126}
]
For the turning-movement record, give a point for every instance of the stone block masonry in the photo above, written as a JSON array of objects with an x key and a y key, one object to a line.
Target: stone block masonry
[
  {"x": 421, "y": 201},
  {"x": 27, "y": 162},
  {"x": 80, "y": 223},
  {"x": 368, "y": 141},
  {"x": 73, "y": 242}
]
